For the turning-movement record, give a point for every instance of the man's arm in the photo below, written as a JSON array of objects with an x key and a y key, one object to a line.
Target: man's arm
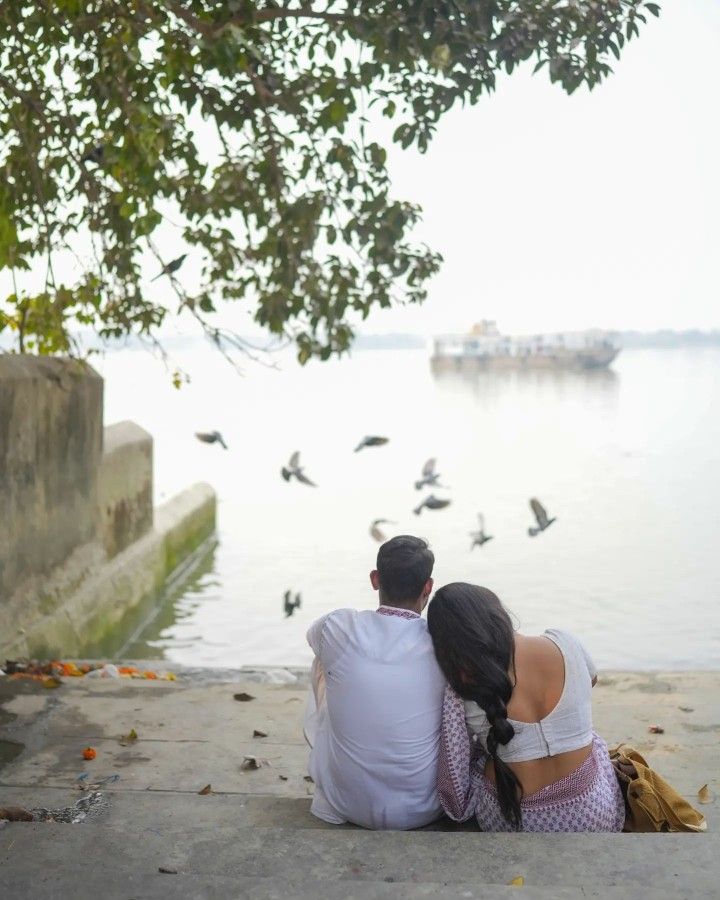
[{"x": 315, "y": 634}]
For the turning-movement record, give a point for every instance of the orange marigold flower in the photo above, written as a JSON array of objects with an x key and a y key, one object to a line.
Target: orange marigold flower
[{"x": 89, "y": 753}]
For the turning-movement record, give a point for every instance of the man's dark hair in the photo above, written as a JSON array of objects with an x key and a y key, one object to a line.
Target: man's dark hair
[{"x": 404, "y": 564}]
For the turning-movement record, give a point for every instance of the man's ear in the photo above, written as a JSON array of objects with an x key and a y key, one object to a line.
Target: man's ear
[
  {"x": 375, "y": 580},
  {"x": 427, "y": 590}
]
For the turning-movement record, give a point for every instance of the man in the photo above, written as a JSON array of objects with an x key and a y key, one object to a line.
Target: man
[{"x": 374, "y": 716}]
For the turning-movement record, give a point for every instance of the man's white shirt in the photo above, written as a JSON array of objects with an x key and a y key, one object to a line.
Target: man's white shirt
[{"x": 373, "y": 719}]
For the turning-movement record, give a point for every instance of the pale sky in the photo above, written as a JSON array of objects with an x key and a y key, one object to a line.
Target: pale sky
[
  {"x": 600, "y": 209},
  {"x": 553, "y": 212}
]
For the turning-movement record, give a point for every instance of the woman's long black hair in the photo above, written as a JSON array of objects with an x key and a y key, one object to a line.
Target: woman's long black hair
[{"x": 474, "y": 643}]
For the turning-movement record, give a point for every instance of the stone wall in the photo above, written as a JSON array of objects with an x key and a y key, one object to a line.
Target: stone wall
[
  {"x": 125, "y": 489},
  {"x": 79, "y": 542},
  {"x": 50, "y": 445}
]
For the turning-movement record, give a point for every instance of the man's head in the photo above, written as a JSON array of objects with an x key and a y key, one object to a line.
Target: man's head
[{"x": 404, "y": 567}]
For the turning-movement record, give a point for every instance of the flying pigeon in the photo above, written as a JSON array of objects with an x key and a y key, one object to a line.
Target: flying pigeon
[
  {"x": 371, "y": 440},
  {"x": 211, "y": 437},
  {"x": 376, "y": 533},
  {"x": 541, "y": 516},
  {"x": 429, "y": 476},
  {"x": 171, "y": 267},
  {"x": 431, "y": 502},
  {"x": 479, "y": 537},
  {"x": 294, "y": 469},
  {"x": 289, "y": 605}
]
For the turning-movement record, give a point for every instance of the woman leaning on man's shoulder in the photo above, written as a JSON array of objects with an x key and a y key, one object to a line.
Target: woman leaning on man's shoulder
[{"x": 518, "y": 750}]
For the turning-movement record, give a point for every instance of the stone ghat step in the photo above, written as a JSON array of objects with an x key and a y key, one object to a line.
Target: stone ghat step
[
  {"x": 99, "y": 882},
  {"x": 637, "y": 863},
  {"x": 172, "y": 811}
]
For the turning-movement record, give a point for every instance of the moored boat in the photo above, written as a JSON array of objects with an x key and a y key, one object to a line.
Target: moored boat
[{"x": 485, "y": 347}]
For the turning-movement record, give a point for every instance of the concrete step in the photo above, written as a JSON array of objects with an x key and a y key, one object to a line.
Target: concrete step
[
  {"x": 636, "y": 863},
  {"x": 172, "y": 810},
  {"x": 54, "y": 886}
]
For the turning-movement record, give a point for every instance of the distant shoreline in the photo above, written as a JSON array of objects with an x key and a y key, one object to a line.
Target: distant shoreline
[{"x": 629, "y": 340}]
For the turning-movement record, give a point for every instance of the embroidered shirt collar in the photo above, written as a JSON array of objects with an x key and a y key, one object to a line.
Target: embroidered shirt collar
[{"x": 396, "y": 611}]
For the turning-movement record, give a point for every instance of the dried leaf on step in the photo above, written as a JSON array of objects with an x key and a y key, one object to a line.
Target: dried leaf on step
[
  {"x": 164, "y": 870},
  {"x": 518, "y": 881},
  {"x": 656, "y": 729},
  {"x": 686, "y": 709},
  {"x": 283, "y": 777},
  {"x": 129, "y": 738},
  {"x": 243, "y": 697},
  {"x": 254, "y": 762},
  {"x": 206, "y": 790},
  {"x": 308, "y": 778},
  {"x": 705, "y": 794},
  {"x": 258, "y": 733}
]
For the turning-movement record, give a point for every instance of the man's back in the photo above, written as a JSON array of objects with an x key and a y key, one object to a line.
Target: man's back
[{"x": 375, "y": 750}]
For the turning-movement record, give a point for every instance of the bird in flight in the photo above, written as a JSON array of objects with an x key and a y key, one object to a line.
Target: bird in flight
[
  {"x": 294, "y": 469},
  {"x": 375, "y": 531},
  {"x": 211, "y": 437},
  {"x": 479, "y": 537},
  {"x": 171, "y": 267},
  {"x": 371, "y": 440},
  {"x": 541, "y": 517},
  {"x": 431, "y": 502},
  {"x": 429, "y": 476},
  {"x": 290, "y": 605}
]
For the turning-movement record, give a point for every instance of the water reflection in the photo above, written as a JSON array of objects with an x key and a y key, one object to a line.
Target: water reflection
[
  {"x": 146, "y": 632},
  {"x": 597, "y": 384}
]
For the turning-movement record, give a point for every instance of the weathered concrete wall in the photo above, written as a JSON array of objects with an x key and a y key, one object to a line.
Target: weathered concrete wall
[
  {"x": 125, "y": 488},
  {"x": 135, "y": 576},
  {"x": 77, "y": 544},
  {"x": 50, "y": 446}
]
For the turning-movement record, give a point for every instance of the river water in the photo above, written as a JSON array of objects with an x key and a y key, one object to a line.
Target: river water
[{"x": 627, "y": 459}]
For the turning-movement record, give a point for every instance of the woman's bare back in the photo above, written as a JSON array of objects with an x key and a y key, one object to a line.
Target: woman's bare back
[{"x": 539, "y": 679}]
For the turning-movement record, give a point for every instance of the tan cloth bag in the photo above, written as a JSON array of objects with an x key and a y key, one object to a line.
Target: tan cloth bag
[{"x": 651, "y": 804}]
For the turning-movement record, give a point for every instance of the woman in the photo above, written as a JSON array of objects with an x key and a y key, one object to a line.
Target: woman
[{"x": 520, "y": 753}]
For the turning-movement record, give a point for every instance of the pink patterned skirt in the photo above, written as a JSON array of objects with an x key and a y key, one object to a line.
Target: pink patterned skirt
[{"x": 588, "y": 799}]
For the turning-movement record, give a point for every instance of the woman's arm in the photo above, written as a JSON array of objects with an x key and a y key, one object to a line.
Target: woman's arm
[{"x": 458, "y": 774}]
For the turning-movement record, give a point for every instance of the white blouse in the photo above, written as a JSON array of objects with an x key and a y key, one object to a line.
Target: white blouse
[{"x": 567, "y": 727}]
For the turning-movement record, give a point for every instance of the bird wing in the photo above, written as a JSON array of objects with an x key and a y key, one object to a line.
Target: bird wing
[
  {"x": 294, "y": 460},
  {"x": 299, "y": 474},
  {"x": 362, "y": 444},
  {"x": 539, "y": 512},
  {"x": 429, "y": 467},
  {"x": 481, "y": 522},
  {"x": 298, "y": 601}
]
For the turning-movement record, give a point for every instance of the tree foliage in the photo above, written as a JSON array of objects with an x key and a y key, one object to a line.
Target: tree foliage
[{"x": 239, "y": 129}]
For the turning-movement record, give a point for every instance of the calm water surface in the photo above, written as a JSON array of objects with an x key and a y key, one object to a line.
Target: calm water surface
[{"x": 626, "y": 459}]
